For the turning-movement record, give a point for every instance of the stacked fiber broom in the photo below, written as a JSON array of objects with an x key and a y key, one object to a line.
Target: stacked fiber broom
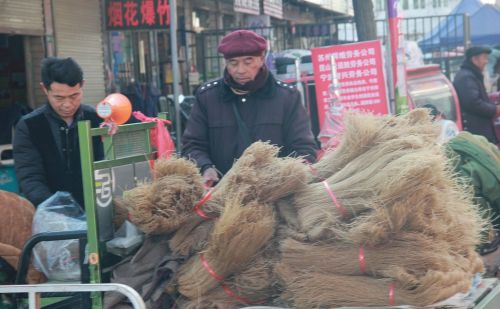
[{"x": 378, "y": 221}]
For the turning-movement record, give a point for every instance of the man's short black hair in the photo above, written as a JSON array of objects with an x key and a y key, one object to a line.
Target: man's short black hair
[{"x": 61, "y": 70}]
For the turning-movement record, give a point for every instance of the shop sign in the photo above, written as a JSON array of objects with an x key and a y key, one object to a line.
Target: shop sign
[
  {"x": 360, "y": 74},
  {"x": 247, "y": 6},
  {"x": 273, "y": 8},
  {"x": 137, "y": 14}
]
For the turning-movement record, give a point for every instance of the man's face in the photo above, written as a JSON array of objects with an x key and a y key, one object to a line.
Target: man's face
[
  {"x": 244, "y": 69},
  {"x": 64, "y": 99},
  {"x": 480, "y": 61}
]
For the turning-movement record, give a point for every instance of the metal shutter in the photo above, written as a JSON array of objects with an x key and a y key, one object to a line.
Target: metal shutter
[
  {"x": 34, "y": 54},
  {"x": 21, "y": 17},
  {"x": 78, "y": 34}
]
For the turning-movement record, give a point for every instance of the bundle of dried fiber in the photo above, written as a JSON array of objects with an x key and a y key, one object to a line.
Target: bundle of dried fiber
[
  {"x": 415, "y": 253},
  {"x": 313, "y": 290},
  {"x": 191, "y": 237},
  {"x": 176, "y": 166},
  {"x": 359, "y": 135},
  {"x": 253, "y": 286},
  {"x": 165, "y": 204},
  {"x": 238, "y": 235},
  {"x": 365, "y": 131},
  {"x": 387, "y": 180},
  {"x": 442, "y": 210},
  {"x": 260, "y": 172}
]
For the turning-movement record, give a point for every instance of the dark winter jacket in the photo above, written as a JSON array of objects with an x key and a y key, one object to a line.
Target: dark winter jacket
[
  {"x": 477, "y": 111},
  {"x": 47, "y": 154},
  {"x": 273, "y": 113}
]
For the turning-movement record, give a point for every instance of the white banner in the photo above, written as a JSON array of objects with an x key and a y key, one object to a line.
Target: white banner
[
  {"x": 247, "y": 6},
  {"x": 273, "y": 8}
]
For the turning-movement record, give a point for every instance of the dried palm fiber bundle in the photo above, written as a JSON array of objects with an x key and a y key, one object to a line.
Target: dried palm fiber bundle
[
  {"x": 315, "y": 289},
  {"x": 255, "y": 285},
  {"x": 258, "y": 172},
  {"x": 191, "y": 237},
  {"x": 262, "y": 173},
  {"x": 389, "y": 178},
  {"x": 364, "y": 131},
  {"x": 238, "y": 235},
  {"x": 15, "y": 229},
  {"x": 166, "y": 203},
  {"x": 175, "y": 166},
  {"x": 442, "y": 210},
  {"x": 415, "y": 253},
  {"x": 15, "y": 220}
]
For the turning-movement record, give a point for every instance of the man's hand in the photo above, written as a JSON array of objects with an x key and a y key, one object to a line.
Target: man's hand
[{"x": 210, "y": 176}]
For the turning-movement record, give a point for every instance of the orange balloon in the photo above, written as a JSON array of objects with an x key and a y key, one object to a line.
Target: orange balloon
[{"x": 115, "y": 107}]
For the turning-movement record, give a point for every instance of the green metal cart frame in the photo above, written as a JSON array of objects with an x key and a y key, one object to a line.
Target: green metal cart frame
[{"x": 131, "y": 144}]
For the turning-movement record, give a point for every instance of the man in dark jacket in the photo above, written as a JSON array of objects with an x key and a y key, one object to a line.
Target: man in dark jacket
[
  {"x": 46, "y": 148},
  {"x": 248, "y": 104},
  {"x": 477, "y": 112}
]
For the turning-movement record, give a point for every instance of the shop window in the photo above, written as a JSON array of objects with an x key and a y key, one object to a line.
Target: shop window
[{"x": 406, "y": 5}]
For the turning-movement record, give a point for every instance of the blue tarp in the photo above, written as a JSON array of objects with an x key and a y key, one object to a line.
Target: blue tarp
[{"x": 484, "y": 27}]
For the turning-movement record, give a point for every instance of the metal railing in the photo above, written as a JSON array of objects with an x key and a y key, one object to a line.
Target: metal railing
[{"x": 34, "y": 290}]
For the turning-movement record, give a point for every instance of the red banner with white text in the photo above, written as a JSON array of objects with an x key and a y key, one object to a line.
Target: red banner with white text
[{"x": 360, "y": 74}]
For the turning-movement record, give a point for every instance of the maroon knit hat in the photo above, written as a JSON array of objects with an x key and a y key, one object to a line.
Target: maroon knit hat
[{"x": 242, "y": 43}]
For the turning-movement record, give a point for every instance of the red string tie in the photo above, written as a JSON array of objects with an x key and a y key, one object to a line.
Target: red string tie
[
  {"x": 197, "y": 207},
  {"x": 342, "y": 210},
  {"x": 361, "y": 257},
  {"x": 226, "y": 289},
  {"x": 391, "y": 294}
]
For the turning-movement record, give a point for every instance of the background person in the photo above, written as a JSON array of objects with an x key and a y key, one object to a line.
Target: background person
[
  {"x": 477, "y": 111},
  {"x": 246, "y": 105},
  {"x": 45, "y": 146}
]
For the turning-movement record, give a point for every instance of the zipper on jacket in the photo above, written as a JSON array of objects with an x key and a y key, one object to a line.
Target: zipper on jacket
[{"x": 68, "y": 159}]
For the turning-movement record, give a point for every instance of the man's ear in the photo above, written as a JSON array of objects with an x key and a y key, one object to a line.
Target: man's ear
[{"x": 44, "y": 89}]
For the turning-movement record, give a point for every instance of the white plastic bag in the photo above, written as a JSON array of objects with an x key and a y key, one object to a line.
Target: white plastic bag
[{"x": 58, "y": 260}]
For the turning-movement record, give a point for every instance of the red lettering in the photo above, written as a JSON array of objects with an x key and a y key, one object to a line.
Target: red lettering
[
  {"x": 148, "y": 12},
  {"x": 115, "y": 18},
  {"x": 163, "y": 11},
  {"x": 131, "y": 14}
]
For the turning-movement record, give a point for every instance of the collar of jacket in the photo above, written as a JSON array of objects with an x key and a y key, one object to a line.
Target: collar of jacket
[
  {"x": 468, "y": 65},
  {"x": 50, "y": 112},
  {"x": 266, "y": 92}
]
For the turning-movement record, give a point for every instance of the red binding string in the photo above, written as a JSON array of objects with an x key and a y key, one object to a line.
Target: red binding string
[
  {"x": 197, "y": 207},
  {"x": 342, "y": 210},
  {"x": 314, "y": 171},
  {"x": 361, "y": 257},
  {"x": 226, "y": 289},
  {"x": 391, "y": 294},
  {"x": 212, "y": 272}
]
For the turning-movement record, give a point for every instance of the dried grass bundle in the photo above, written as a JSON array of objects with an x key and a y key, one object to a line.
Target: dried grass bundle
[
  {"x": 388, "y": 179},
  {"x": 365, "y": 131},
  {"x": 238, "y": 235},
  {"x": 442, "y": 210},
  {"x": 164, "y": 205},
  {"x": 191, "y": 237},
  {"x": 254, "y": 285},
  {"x": 261, "y": 173},
  {"x": 415, "y": 253},
  {"x": 176, "y": 166},
  {"x": 15, "y": 210},
  {"x": 313, "y": 290}
]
